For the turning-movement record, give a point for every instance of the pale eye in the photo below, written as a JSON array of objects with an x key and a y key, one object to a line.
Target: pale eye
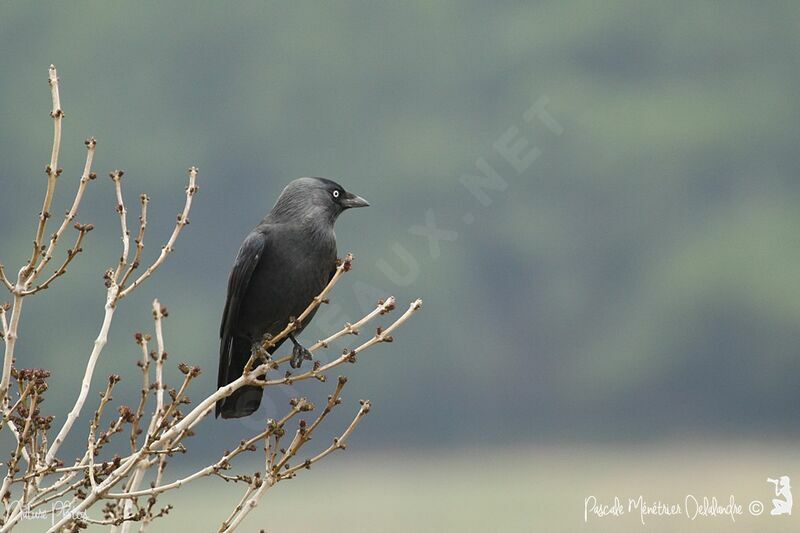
[{"x": 336, "y": 194}]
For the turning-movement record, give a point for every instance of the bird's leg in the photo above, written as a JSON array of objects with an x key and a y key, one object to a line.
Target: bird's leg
[
  {"x": 299, "y": 353},
  {"x": 258, "y": 354}
]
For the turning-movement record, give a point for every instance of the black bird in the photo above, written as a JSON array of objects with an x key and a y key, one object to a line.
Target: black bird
[{"x": 284, "y": 262}]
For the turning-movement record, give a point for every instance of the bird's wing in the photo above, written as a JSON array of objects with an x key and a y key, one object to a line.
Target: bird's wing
[{"x": 253, "y": 248}]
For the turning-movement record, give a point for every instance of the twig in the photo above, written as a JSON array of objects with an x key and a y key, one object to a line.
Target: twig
[
  {"x": 338, "y": 444},
  {"x": 183, "y": 220},
  {"x": 22, "y": 278},
  {"x": 17, "y": 453},
  {"x": 384, "y": 306},
  {"x": 249, "y": 505},
  {"x": 116, "y": 177},
  {"x": 10, "y": 339},
  {"x": 83, "y": 229},
  {"x": 22, "y": 396},
  {"x": 99, "y": 343},
  {"x": 245, "y": 445},
  {"x": 142, "y": 340},
  {"x": 236, "y": 510},
  {"x": 179, "y": 396},
  {"x": 4, "y": 278},
  {"x": 302, "y": 436},
  {"x": 139, "y": 241},
  {"x": 159, "y": 312},
  {"x": 91, "y": 441},
  {"x": 86, "y": 177},
  {"x": 349, "y": 356},
  {"x": 112, "y": 479},
  {"x": 52, "y": 170},
  {"x": 3, "y": 319},
  {"x": 253, "y": 378},
  {"x": 113, "y": 295},
  {"x": 344, "y": 266}
]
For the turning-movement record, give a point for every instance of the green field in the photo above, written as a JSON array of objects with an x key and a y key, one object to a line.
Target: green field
[{"x": 503, "y": 490}]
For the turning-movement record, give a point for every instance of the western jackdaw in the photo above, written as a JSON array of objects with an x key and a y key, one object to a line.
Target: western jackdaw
[{"x": 284, "y": 262}]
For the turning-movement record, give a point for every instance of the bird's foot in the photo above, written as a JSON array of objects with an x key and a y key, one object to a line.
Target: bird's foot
[
  {"x": 258, "y": 354},
  {"x": 299, "y": 354}
]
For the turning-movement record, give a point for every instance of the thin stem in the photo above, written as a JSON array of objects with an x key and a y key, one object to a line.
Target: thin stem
[
  {"x": 142, "y": 340},
  {"x": 383, "y": 335},
  {"x": 158, "y": 315},
  {"x": 116, "y": 177},
  {"x": 342, "y": 267},
  {"x": 5, "y": 279},
  {"x": 220, "y": 464},
  {"x": 10, "y": 339},
  {"x": 139, "y": 241},
  {"x": 99, "y": 343},
  {"x": 384, "y": 306},
  {"x": 86, "y": 177},
  {"x": 183, "y": 220},
  {"x": 338, "y": 444},
  {"x": 71, "y": 253},
  {"x": 52, "y": 170},
  {"x": 250, "y": 504}
]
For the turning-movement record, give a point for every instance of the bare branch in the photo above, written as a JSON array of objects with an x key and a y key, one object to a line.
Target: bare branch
[
  {"x": 343, "y": 266},
  {"x": 3, "y": 319},
  {"x": 86, "y": 177},
  {"x": 384, "y": 306},
  {"x": 4, "y": 278},
  {"x": 142, "y": 340},
  {"x": 52, "y": 170},
  {"x": 10, "y": 339},
  {"x": 183, "y": 220},
  {"x": 143, "y": 200},
  {"x": 251, "y": 488},
  {"x": 116, "y": 177},
  {"x": 304, "y": 432},
  {"x": 349, "y": 356},
  {"x": 99, "y": 344},
  {"x": 275, "y": 475},
  {"x": 92, "y": 441},
  {"x": 338, "y": 444},
  {"x": 114, "y": 294},
  {"x": 83, "y": 229},
  {"x": 253, "y": 377},
  {"x": 223, "y": 462},
  {"x": 159, "y": 312}
]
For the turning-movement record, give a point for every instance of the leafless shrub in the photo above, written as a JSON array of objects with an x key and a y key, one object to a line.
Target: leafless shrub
[{"x": 37, "y": 483}]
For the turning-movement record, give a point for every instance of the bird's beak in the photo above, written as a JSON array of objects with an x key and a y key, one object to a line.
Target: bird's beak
[{"x": 353, "y": 200}]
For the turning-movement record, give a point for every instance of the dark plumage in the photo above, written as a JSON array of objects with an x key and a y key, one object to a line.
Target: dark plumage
[{"x": 282, "y": 265}]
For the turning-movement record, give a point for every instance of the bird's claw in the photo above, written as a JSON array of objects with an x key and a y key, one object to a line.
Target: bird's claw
[{"x": 299, "y": 354}]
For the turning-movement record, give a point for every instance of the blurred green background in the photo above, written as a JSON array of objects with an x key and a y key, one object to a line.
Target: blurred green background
[{"x": 628, "y": 300}]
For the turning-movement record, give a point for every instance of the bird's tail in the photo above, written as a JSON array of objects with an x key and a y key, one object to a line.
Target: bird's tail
[
  {"x": 246, "y": 400},
  {"x": 243, "y": 402}
]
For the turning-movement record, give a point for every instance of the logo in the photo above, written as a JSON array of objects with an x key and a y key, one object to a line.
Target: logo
[{"x": 783, "y": 503}]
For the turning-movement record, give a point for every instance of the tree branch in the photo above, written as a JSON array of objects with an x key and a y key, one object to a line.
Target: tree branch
[
  {"x": 183, "y": 220},
  {"x": 83, "y": 229},
  {"x": 86, "y": 177},
  {"x": 52, "y": 170},
  {"x": 4, "y": 278}
]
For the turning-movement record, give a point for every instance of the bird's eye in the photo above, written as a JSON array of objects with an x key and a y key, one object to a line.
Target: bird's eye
[{"x": 336, "y": 194}]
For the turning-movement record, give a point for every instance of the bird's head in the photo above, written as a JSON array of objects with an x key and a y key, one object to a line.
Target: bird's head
[{"x": 315, "y": 198}]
